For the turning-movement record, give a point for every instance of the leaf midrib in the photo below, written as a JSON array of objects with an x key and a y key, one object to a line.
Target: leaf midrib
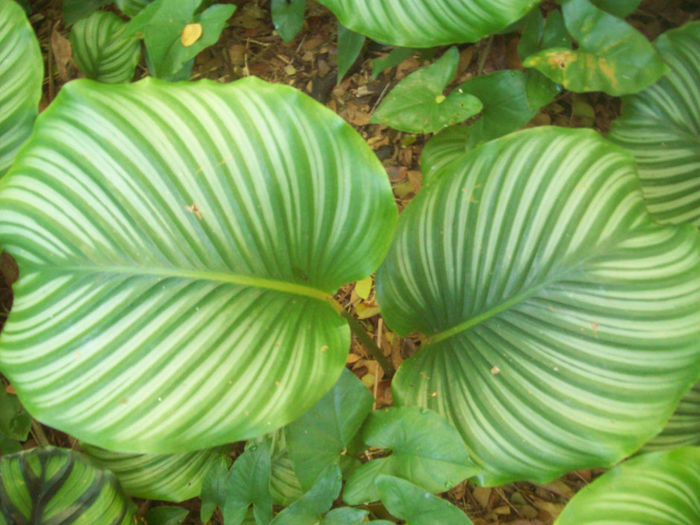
[{"x": 200, "y": 275}]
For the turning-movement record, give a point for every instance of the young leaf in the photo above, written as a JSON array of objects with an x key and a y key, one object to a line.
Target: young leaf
[
  {"x": 660, "y": 488},
  {"x": 393, "y": 59},
  {"x": 416, "y": 23},
  {"x": 165, "y": 515},
  {"x": 425, "y": 449},
  {"x": 417, "y": 104},
  {"x": 200, "y": 252},
  {"x": 101, "y": 51},
  {"x": 15, "y": 421},
  {"x": 168, "y": 477},
  {"x": 661, "y": 127},
  {"x": 74, "y": 10},
  {"x": 316, "y": 439},
  {"x": 21, "y": 76},
  {"x": 349, "y": 48},
  {"x": 54, "y": 485},
  {"x": 418, "y": 507},
  {"x": 132, "y": 7},
  {"x": 612, "y": 55},
  {"x": 510, "y": 99},
  {"x": 538, "y": 275},
  {"x": 619, "y": 8},
  {"x": 683, "y": 429},
  {"x": 248, "y": 483},
  {"x": 309, "y": 509},
  {"x": 161, "y": 25},
  {"x": 288, "y": 17}
]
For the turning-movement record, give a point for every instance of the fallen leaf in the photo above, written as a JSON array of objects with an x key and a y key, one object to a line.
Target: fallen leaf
[{"x": 190, "y": 34}]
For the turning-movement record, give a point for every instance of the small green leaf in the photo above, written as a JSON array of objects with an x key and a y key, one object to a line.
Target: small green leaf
[
  {"x": 248, "y": 483},
  {"x": 317, "y": 438},
  {"x": 101, "y": 50},
  {"x": 165, "y": 515},
  {"x": 612, "y": 55},
  {"x": 539, "y": 33},
  {"x": 214, "y": 488},
  {"x": 309, "y": 509},
  {"x": 417, "y": 104},
  {"x": 349, "y": 48},
  {"x": 288, "y": 17},
  {"x": 660, "y": 488},
  {"x": 418, "y": 507},
  {"x": 425, "y": 449},
  {"x": 57, "y": 486},
  {"x": 619, "y": 8},
  {"x": 74, "y": 10},
  {"x": 345, "y": 516},
  {"x": 15, "y": 421},
  {"x": 132, "y": 7},
  {"x": 393, "y": 59}
]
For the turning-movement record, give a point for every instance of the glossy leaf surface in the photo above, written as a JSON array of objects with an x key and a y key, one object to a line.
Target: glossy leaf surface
[
  {"x": 417, "y": 23},
  {"x": 416, "y": 506},
  {"x": 424, "y": 449},
  {"x": 661, "y": 127},
  {"x": 660, "y": 488},
  {"x": 59, "y": 486},
  {"x": 316, "y": 439},
  {"x": 417, "y": 103},
  {"x": 562, "y": 322},
  {"x": 168, "y": 477},
  {"x": 101, "y": 51},
  {"x": 288, "y": 17},
  {"x": 21, "y": 75},
  {"x": 612, "y": 56},
  {"x": 197, "y": 254}
]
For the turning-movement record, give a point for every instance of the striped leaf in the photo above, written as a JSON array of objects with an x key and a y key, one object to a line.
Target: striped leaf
[
  {"x": 417, "y": 23},
  {"x": 660, "y": 488},
  {"x": 167, "y": 477},
  {"x": 59, "y": 487},
  {"x": 563, "y": 323},
  {"x": 178, "y": 247},
  {"x": 21, "y": 74},
  {"x": 661, "y": 127},
  {"x": 101, "y": 51},
  {"x": 683, "y": 429}
]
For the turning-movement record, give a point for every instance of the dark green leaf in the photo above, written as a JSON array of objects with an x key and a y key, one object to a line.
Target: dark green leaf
[
  {"x": 417, "y": 103},
  {"x": 284, "y": 483},
  {"x": 15, "y": 421},
  {"x": 661, "y": 127},
  {"x": 425, "y": 449},
  {"x": 248, "y": 483},
  {"x": 418, "y": 507},
  {"x": 537, "y": 274},
  {"x": 612, "y": 56},
  {"x": 101, "y": 51},
  {"x": 349, "y": 48},
  {"x": 74, "y": 10},
  {"x": 620, "y": 8},
  {"x": 660, "y": 488},
  {"x": 288, "y": 17},
  {"x": 309, "y": 509},
  {"x": 56, "y": 486},
  {"x": 539, "y": 34},
  {"x": 317, "y": 438},
  {"x": 393, "y": 59},
  {"x": 214, "y": 488},
  {"x": 166, "y": 515}
]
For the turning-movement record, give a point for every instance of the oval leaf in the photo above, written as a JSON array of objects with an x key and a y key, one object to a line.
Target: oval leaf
[
  {"x": 563, "y": 323},
  {"x": 101, "y": 50},
  {"x": 178, "y": 245},
  {"x": 417, "y": 23},
  {"x": 21, "y": 75},
  {"x": 53, "y": 485},
  {"x": 661, "y": 127},
  {"x": 168, "y": 477},
  {"x": 654, "y": 489}
]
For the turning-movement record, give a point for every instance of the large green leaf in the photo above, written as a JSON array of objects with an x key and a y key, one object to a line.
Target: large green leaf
[
  {"x": 21, "y": 74},
  {"x": 101, "y": 51},
  {"x": 612, "y": 56},
  {"x": 660, "y": 488},
  {"x": 416, "y": 506},
  {"x": 417, "y": 23},
  {"x": 661, "y": 127},
  {"x": 178, "y": 245},
  {"x": 169, "y": 477},
  {"x": 318, "y": 438},
  {"x": 563, "y": 323},
  {"x": 683, "y": 429},
  {"x": 60, "y": 487},
  {"x": 424, "y": 449}
]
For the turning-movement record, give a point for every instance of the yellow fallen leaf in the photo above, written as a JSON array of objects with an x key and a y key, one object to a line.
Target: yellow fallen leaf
[
  {"x": 364, "y": 287},
  {"x": 190, "y": 34}
]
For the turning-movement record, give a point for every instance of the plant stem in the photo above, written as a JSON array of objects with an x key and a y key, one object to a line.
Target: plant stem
[
  {"x": 38, "y": 433},
  {"x": 360, "y": 332}
]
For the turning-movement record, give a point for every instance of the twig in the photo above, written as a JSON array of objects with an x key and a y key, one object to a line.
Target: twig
[{"x": 484, "y": 55}]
